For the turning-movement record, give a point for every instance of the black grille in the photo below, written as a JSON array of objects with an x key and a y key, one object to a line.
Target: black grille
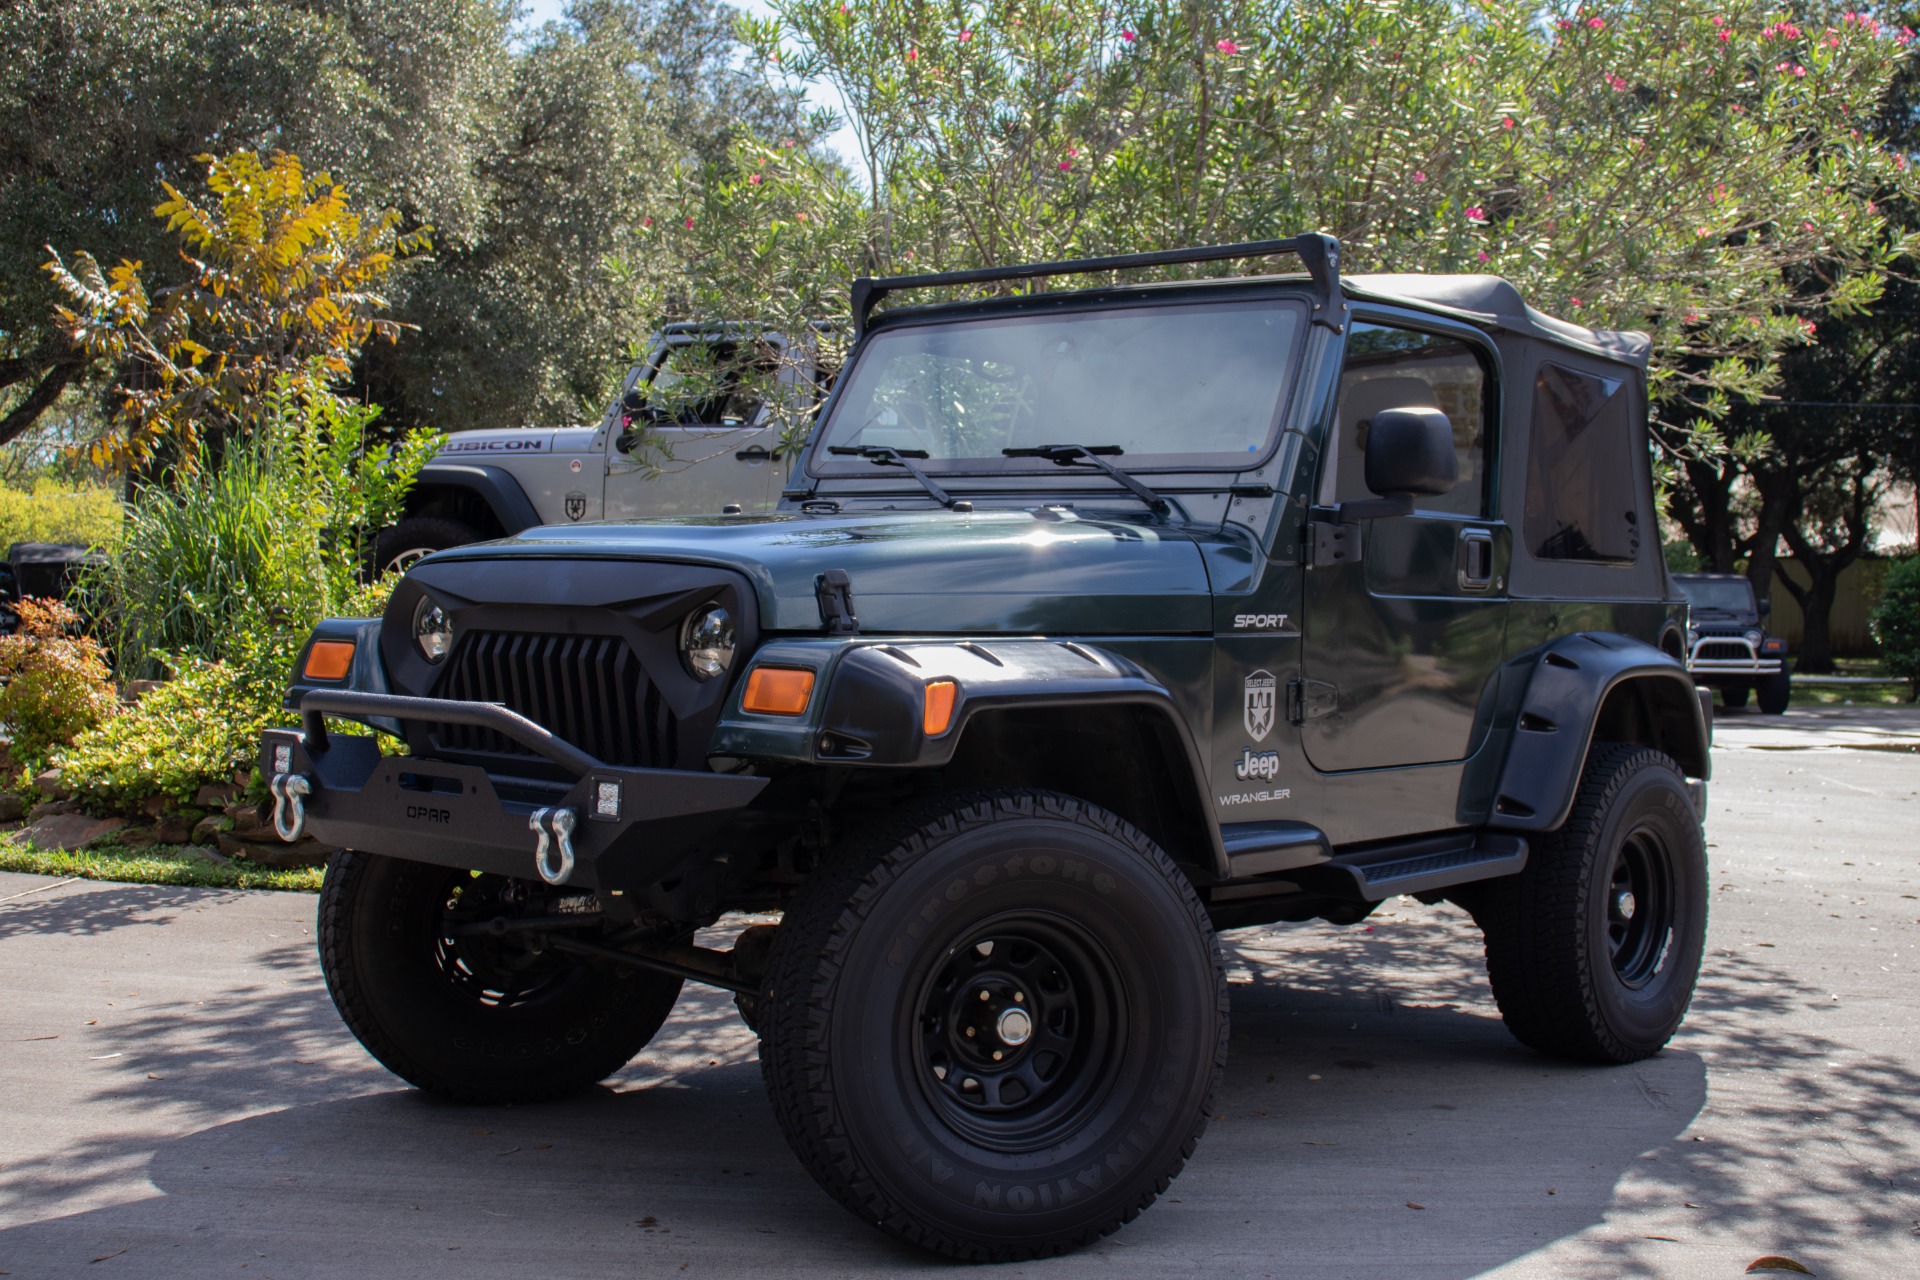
[
  {"x": 590, "y": 690},
  {"x": 1723, "y": 651}
]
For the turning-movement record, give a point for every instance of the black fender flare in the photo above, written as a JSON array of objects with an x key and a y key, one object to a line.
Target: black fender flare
[
  {"x": 874, "y": 708},
  {"x": 1577, "y": 682},
  {"x": 492, "y": 485}
]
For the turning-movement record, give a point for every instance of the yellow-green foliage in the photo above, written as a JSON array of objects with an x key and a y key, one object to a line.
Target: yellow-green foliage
[
  {"x": 56, "y": 683},
  {"x": 156, "y": 865},
  {"x": 53, "y": 512},
  {"x": 199, "y": 727}
]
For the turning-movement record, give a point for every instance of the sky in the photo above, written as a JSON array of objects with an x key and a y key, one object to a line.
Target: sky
[{"x": 842, "y": 141}]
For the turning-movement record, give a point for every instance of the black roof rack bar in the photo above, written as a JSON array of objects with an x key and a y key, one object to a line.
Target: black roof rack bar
[{"x": 1319, "y": 253}]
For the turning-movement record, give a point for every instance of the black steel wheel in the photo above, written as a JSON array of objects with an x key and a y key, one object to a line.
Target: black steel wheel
[
  {"x": 1593, "y": 950},
  {"x": 995, "y": 1027},
  {"x": 447, "y": 1005}
]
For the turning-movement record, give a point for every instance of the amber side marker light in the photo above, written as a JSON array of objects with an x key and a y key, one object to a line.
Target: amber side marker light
[
  {"x": 939, "y": 714},
  {"x": 329, "y": 660},
  {"x": 778, "y": 691}
]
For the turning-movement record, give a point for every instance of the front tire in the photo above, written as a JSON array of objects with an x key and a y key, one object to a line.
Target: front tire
[
  {"x": 473, "y": 1018},
  {"x": 397, "y": 547},
  {"x": 1774, "y": 693},
  {"x": 1594, "y": 948},
  {"x": 995, "y": 1028}
]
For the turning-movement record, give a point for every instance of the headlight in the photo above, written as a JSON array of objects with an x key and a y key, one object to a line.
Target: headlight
[
  {"x": 432, "y": 629},
  {"x": 1755, "y": 636},
  {"x": 706, "y": 641},
  {"x": 1693, "y": 636}
]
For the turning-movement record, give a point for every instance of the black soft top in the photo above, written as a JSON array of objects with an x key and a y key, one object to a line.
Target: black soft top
[{"x": 1493, "y": 303}]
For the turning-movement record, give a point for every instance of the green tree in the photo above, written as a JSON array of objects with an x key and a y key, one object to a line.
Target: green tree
[
  {"x": 1707, "y": 172},
  {"x": 99, "y": 98}
]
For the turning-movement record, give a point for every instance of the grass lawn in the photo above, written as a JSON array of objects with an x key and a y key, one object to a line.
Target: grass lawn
[{"x": 158, "y": 864}]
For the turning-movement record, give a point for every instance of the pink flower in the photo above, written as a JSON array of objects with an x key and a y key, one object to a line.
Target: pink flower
[
  {"x": 800, "y": 217},
  {"x": 689, "y": 224},
  {"x": 1807, "y": 226},
  {"x": 753, "y": 179},
  {"x": 1419, "y": 175},
  {"x": 913, "y": 54},
  {"x": 1598, "y": 24},
  {"x": 1476, "y": 214},
  {"x": 1719, "y": 21},
  {"x": 1576, "y": 302},
  {"x": 1616, "y": 83},
  {"x": 1725, "y": 36},
  {"x": 1693, "y": 317},
  {"x": 1065, "y": 165},
  {"x": 647, "y": 223},
  {"x": 1129, "y": 36},
  {"x": 1905, "y": 36},
  {"x": 1872, "y": 207},
  {"x": 966, "y": 34},
  {"x": 1483, "y": 256},
  {"x": 1807, "y": 327},
  {"x": 1507, "y": 123},
  {"x": 1227, "y": 47}
]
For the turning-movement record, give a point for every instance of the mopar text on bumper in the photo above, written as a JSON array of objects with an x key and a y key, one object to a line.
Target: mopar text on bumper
[{"x": 612, "y": 827}]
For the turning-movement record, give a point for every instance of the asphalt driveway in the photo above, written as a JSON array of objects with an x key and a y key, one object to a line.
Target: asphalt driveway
[{"x": 177, "y": 1097}]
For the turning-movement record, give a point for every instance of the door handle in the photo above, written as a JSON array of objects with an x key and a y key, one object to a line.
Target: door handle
[
  {"x": 1476, "y": 559},
  {"x": 753, "y": 453}
]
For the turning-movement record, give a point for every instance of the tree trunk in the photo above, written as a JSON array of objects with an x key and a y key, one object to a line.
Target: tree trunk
[{"x": 1816, "y": 610}]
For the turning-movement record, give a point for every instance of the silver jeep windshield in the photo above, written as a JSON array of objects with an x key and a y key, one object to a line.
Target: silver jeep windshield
[{"x": 1195, "y": 385}]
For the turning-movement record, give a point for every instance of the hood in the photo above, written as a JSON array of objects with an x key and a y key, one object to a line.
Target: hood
[
  {"x": 498, "y": 442},
  {"x": 926, "y": 572}
]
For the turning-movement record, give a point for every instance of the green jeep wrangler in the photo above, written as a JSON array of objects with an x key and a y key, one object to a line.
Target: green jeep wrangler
[{"x": 1092, "y": 623}]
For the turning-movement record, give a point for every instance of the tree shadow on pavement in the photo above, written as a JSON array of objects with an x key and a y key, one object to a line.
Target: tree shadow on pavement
[{"x": 1376, "y": 1118}]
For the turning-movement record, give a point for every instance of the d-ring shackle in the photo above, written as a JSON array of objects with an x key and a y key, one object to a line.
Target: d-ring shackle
[
  {"x": 555, "y": 829},
  {"x": 289, "y": 809}
]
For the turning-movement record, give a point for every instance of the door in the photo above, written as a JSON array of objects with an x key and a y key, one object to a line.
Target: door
[
  {"x": 1399, "y": 647},
  {"x": 714, "y": 448}
]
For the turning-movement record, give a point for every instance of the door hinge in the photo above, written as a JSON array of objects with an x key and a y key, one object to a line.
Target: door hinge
[
  {"x": 1311, "y": 699},
  {"x": 833, "y": 591},
  {"x": 1332, "y": 543}
]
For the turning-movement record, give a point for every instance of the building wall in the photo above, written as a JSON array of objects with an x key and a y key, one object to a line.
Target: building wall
[{"x": 1853, "y": 603}]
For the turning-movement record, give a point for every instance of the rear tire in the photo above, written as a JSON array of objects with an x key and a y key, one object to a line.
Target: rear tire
[
  {"x": 396, "y": 547},
  {"x": 475, "y": 1019},
  {"x": 1594, "y": 948},
  {"x": 1774, "y": 694},
  {"x": 1019, "y": 923}
]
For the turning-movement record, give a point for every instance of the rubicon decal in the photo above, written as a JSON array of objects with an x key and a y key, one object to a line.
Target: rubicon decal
[
  {"x": 534, "y": 445},
  {"x": 1264, "y": 765},
  {"x": 1257, "y": 714}
]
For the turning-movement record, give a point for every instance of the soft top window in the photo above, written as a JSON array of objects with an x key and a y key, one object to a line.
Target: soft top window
[
  {"x": 1581, "y": 481},
  {"x": 1198, "y": 385}
]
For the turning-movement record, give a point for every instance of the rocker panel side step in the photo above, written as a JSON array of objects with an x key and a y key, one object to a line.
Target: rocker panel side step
[{"x": 1418, "y": 866}]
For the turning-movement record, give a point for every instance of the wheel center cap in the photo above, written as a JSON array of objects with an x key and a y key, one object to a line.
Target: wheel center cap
[
  {"x": 1014, "y": 1027},
  {"x": 1623, "y": 904}
]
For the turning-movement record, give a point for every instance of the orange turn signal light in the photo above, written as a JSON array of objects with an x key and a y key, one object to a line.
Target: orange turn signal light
[
  {"x": 329, "y": 660},
  {"x": 778, "y": 691},
  {"x": 941, "y": 695}
]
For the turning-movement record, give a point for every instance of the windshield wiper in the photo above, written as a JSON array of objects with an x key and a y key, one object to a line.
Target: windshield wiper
[
  {"x": 1066, "y": 455},
  {"x": 882, "y": 456}
]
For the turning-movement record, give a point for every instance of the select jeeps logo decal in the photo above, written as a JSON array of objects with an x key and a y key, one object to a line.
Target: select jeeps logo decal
[
  {"x": 1264, "y": 765},
  {"x": 576, "y": 506},
  {"x": 1257, "y": 712}
]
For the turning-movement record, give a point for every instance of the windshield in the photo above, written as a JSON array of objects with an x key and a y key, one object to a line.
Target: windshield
[
  {"x": 1198, "y": 385},
  {"x": 1728, "y": 596}
]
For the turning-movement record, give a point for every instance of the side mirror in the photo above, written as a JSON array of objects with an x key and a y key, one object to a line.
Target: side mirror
[
  {"x": 633, "y": 402},
  {"x": 1410, "y": 452},
  {"x": 1765, "y": 605}
]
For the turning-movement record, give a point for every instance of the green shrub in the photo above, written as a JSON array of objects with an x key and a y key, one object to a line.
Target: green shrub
[
  {"x": 249, "y": 554},
  {"x": 197, "y": 728},
  {"x": 53, "y": 512},
  {"x": 56, "y": 683},
  {"x": 1896, "y": 623}
]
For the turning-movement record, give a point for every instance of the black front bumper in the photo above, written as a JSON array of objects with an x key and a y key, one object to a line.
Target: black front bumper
[{"x": 633, "y": 826}]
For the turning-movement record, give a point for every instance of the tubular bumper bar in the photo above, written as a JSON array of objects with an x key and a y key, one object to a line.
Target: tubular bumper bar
[{"x": 625, "y": 827}]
